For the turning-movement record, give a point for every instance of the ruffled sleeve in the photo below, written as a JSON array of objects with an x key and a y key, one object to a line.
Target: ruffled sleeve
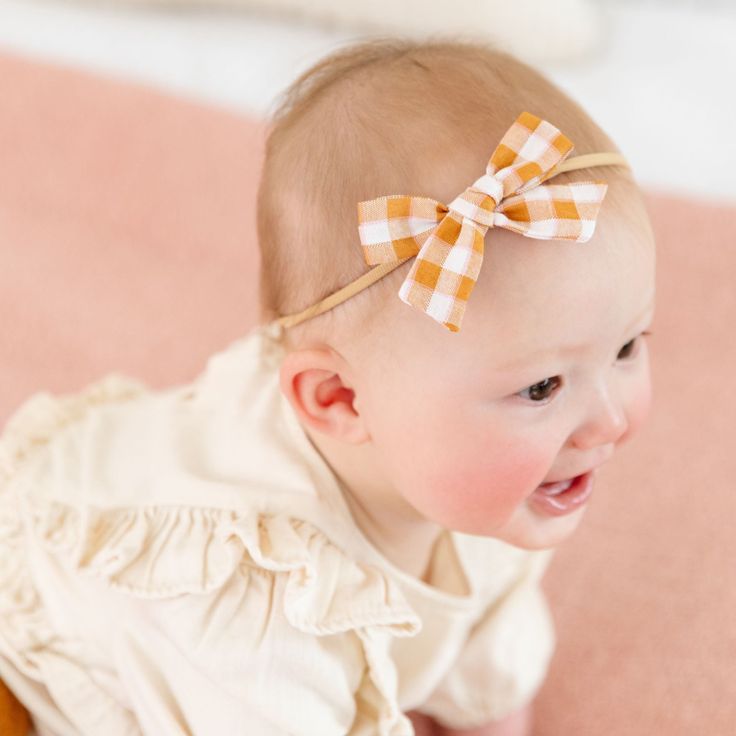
[
  {"x": 186, "y": 620},
  {"x": 505, "y": 658}
]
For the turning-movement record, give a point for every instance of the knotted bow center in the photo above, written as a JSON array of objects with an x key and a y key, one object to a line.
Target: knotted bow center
[{"x": 479, "y": 200}]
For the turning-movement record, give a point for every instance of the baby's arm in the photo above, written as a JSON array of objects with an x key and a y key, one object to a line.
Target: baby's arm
[{"x": 516, "y": 724}]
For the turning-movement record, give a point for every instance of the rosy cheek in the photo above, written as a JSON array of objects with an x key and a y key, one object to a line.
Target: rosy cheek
[{"x": 481, "y": 490}]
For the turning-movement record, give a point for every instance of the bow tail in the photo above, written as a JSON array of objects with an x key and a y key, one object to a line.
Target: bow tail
[
  {"x": 445, "y": 270},
  {"x": 553, "y": 211}
]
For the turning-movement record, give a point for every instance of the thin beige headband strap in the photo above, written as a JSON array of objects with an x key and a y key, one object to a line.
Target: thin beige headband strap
[
  {"x": 363, "y": 282},
  {"x": 588, "y": 160},
  {"x": 378, "y": 272}
]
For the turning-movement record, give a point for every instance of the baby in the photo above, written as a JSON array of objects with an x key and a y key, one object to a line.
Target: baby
[{"x": 340, "y": 526}]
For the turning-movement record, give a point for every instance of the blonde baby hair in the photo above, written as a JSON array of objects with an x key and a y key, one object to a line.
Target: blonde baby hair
[{"x": 384, "y": 116}]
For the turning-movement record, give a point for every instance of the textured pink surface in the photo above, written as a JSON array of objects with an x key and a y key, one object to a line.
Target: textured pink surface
[
  {"x": 126, "y": 230},
  {"x": 127, "y": 243}
]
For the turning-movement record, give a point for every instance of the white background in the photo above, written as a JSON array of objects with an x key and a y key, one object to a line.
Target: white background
[{"x": 662, "y": 84}]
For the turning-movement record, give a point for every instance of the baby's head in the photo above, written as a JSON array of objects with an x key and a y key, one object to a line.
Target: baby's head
[{"x": 549, "y": 372}]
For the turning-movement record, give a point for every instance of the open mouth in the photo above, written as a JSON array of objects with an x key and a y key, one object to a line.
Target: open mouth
[
  {"x": 564, "y": 496},
  {"x": 553, "y": 489}
]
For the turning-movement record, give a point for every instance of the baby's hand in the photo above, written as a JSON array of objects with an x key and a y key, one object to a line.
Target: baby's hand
[
  {"x": 423, "y": 725},
  {"x": 517, "y": 724}
]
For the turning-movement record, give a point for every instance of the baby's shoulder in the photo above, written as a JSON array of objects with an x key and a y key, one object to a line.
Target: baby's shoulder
[
  {"x": 98, "y": 445},
  {"x": 47, "y": 427},
  {"x": 118, "y": 443}
]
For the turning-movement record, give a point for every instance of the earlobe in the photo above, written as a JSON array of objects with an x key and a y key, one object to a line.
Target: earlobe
[{"x": 312, "y": 380}]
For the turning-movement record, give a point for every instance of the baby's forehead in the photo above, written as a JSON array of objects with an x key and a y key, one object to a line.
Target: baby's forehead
[{"x": 535, "y": 295}]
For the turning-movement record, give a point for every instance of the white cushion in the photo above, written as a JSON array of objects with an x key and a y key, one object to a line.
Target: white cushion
[{"x": 534, "y": 30}]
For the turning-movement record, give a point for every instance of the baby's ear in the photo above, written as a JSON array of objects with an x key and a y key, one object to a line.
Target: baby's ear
[{"x": 315, "y": 382}]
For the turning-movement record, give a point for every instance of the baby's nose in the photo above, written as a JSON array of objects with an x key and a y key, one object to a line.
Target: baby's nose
[{"x": 605, "y": 421}]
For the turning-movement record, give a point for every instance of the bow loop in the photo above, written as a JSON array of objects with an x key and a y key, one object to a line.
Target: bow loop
[
  {"x": 396, "y": 226},
  {"x": 448, "y": 240}
]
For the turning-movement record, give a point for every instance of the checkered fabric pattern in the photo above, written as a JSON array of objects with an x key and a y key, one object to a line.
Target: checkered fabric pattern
[{"x": 448, "y": 239}]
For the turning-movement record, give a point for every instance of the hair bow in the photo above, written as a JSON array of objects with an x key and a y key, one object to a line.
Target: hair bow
[{"x": 448, "y": 239}]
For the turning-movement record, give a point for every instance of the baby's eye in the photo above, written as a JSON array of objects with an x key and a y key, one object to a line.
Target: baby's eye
[
  {"x": 538, "y": 392},
  {"x": 626, "y": 350},
  {"x": 629, "y": 350}
]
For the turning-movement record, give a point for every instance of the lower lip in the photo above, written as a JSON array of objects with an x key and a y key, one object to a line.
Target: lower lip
[{"x": 567, "y": 501}]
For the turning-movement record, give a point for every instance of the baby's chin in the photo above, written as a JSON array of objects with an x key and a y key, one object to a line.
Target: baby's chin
[{"x": 528, "y": 529}]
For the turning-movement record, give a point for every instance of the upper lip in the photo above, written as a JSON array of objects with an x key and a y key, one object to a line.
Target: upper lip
[{"x": 570, "y": 477}]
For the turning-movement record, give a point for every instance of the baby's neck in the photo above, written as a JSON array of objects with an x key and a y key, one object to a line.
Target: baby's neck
[
  {"x": 410, "y": 551},
  {"x": 388, "y": 521}
]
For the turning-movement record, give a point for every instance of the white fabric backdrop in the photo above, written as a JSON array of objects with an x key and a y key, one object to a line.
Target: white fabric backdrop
[{"x": 661, "y": 83}]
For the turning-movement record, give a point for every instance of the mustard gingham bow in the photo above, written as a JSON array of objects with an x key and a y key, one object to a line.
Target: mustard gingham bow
[{"x": 448, "y": 239}]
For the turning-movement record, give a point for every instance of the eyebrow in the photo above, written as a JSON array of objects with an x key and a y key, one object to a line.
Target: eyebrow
[{"x": 528, "y": 359}]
